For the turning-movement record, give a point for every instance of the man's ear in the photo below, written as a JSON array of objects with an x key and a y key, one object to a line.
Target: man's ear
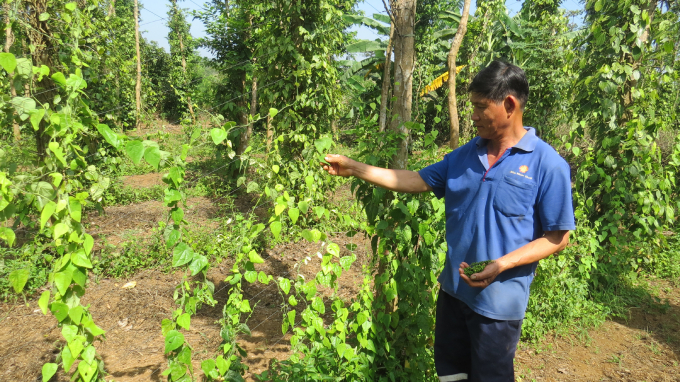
[{"x": 511, "y": 104}]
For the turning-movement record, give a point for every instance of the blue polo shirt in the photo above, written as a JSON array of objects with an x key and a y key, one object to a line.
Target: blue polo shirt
[{"x": 493, "y": 211}]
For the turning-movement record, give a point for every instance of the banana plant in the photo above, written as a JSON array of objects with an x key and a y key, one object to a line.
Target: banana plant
[{"x": 379, "y": 23}]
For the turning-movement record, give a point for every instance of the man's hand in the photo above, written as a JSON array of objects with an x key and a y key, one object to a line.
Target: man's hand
[
  {"x": 539, "y": 249},
  {"x": 482, "y": 279},
  {"x": 338, "y": 165}
]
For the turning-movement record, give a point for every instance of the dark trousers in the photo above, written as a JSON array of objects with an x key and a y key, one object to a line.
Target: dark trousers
[{"x": 471, "y": 347}]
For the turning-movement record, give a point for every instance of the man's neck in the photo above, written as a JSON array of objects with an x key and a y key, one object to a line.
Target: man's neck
[{"x": 513, "y": 135}]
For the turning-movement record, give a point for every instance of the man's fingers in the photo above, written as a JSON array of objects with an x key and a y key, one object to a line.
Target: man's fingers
[
  {"x": 481, "y": 275},
  {"x": 332, "y": 158}
]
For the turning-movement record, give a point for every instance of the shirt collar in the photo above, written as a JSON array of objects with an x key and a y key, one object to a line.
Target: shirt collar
[{"x": 527, "y": 143}]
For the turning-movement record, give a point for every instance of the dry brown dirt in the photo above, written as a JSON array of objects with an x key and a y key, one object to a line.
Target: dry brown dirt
[
  {"x": 643, "y": 347},
  {"x": 133, "y": 350},
  {"x": 143, "y": 181},
  {"x": 121, "y": 222}
]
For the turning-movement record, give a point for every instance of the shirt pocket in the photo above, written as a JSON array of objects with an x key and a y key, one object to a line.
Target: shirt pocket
[{"x": 514, "y": 196}]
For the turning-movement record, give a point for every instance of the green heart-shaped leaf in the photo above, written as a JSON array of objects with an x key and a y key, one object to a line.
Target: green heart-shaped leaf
[
  {"x": 80, "y": 259},
  {"x": 69, "y": 332},
  {"x": 184, "y": 321},
  {"x": 173, "y": 340},
  {"x": 109, "y": 135},
  {"x": 153, "y": 156},
  {"x": 8, "y": 62},
  {"x": 43, "y": 301},
  {"x": 276, "y": 229},
  {"x": 59, "y": 310},
  {"x": 182, "y": 254},
  {"x": 135, "y": 150},
  {"x": 293, "y": 213},
  {"x": 63, "y": 280},
  {"x": 18, "y": 279},
  {"x": 48, "y": 371},
  {"x": 255, "y": 258},
  {"x": 218, "y": 135},
  {"x": 323, "y": 144}
]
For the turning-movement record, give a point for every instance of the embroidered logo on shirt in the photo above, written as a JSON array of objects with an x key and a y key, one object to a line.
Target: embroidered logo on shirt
[{"x": 523, "y": 169}]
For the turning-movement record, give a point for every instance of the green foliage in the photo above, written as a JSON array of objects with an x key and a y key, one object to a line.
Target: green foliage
[
  {"x": 561, "y": 296},
  {"x": 28, "y": 259},
  {"x": 476, "y": 267},
  {"x": 612, "y": 85},
  {"x": 182, "y": 76},
  {"x": 626, "y": 192},
  {"x": 297, "y": 56},
  {"x": 56, "y": 191}
]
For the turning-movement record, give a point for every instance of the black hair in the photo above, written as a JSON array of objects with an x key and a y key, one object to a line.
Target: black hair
[{"x": 500, "y": 79}]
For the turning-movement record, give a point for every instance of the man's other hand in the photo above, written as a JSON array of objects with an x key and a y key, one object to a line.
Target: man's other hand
[
  {"x": 482, "y": 279},
  {"x": 338, "y": 165}
]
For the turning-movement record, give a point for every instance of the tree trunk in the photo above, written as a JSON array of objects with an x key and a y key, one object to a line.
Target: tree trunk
[
  {"x": 253, "y": 111},
  {"x": 454, "y": 123},
  {"x": 138, "y": 86},
  {"x": 184, "y": 70},
  {"x": 243, "y": 119},
  {"x": 245, "y": 136},
  {"x": 386, "y": 82},
  {"x": 270, "y": 133},
  {"x": 39, "y": 36},
  {"x": 112, "y": 8},
  {"x": 404, "y": 12},
  {"x": 9, "y": 40}
]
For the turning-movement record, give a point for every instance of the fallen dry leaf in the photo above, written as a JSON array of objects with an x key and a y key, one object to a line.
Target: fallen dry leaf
[{"x": 130, "y": 285}]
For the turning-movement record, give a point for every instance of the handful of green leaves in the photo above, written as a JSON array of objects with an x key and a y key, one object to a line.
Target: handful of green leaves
[{"x": 476, "y": 267}]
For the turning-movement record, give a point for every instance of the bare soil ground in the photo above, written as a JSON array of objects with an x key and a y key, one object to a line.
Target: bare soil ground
[
  {"x": 644, "y": 347},
  {"x": 138, "y": 220},
  {"x": 143, "y": 181},
  {"x": 133, "y": 350}
]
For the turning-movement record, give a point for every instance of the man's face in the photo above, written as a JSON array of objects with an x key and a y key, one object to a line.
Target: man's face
[{"x": 488, "y": 116}]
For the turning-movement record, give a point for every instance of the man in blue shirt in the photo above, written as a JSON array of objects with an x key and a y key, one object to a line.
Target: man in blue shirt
[{"x": 508, "y": 199}]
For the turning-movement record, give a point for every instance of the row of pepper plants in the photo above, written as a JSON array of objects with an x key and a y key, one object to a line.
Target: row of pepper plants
[{"x": 50, "y": 198}]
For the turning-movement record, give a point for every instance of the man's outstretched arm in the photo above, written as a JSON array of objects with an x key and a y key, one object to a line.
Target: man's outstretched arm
[{"x": 393, "y": 180}]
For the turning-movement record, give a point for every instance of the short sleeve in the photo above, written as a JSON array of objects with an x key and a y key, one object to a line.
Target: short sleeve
[
  {"x": 554, "y": 201},
  {"x": 435, "y": 176}
]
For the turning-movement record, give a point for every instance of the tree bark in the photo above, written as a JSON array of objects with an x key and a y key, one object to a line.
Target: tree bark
[
  {"x": 245, "y": 136},
  {"x": 9, "y": 40},
  {"x": 253, "y": 111},
  {"x": 138, "y": 85},
  {"x": 112, "y": 8},
  {"x": 39, "y": 36},
  {"x": 404, "y": 12},
  {"x": 243, "y": 119},
  {"x": 382, "y": 122},
  {"x": 184, "y": 70},
  {"x": 270, "y": 133},
  {"x": 454, "y": 123}
]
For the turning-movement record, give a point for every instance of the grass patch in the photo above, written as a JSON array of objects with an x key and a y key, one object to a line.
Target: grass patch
[
  {"x": 123, "y": 195},
  {"x": 33, "y": 256}
]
